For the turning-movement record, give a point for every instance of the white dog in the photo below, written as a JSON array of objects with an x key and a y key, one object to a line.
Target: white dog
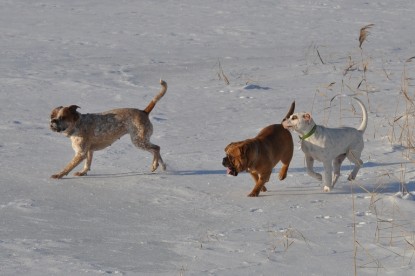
[{"x": 329, "y": 145}]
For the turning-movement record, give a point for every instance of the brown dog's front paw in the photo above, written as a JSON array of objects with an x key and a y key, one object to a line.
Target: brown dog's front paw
[
  {"x": 154, "y": 167},
  {"x": 253, "y": 194},
  {"x": 56, "y": 176},
  {"x": 80, "y": 173}
]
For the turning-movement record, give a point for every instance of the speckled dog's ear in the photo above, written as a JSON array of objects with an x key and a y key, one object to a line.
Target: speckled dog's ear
[
  {"x": 55, "y": 111},
  {"x": 73, "y": 109}
]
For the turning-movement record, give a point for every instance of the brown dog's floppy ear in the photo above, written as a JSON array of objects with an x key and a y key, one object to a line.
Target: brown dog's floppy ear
[
  {"x": 228, "y": 146},
  {"x": 245, "y": 149}
]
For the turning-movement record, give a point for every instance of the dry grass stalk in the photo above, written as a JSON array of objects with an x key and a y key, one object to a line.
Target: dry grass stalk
[
  {"x": 384, "y": 71},
  {"x": 350, "y": 67},
  {"x": 405, "y": 122},
  {"x": 286, "y": 238},
  {"x": 319, "y": 56},
  {"x": 222, "y": 75},
  {"x": 364, "y": 32}
]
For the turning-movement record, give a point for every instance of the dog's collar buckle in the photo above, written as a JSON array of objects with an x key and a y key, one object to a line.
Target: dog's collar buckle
[{"x": 309, "y": 134}]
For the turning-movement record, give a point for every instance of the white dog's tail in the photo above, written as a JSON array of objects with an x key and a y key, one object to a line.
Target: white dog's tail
[
  {"x": 363, "y": 125},
  {"x": 153, "y": 102}
]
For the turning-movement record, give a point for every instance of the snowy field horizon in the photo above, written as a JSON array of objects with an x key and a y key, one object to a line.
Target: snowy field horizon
[{"x": 232, "y": 68}]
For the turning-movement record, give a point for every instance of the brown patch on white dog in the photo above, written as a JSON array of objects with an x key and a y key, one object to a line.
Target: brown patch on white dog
[{"x": 92, "y": 132}]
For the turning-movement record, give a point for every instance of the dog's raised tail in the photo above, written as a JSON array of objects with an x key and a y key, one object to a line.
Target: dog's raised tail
[
  {"x": 363, "y": 125},
  {"x": 290, "y": 112},
  {"x": 153, "y": 102}
]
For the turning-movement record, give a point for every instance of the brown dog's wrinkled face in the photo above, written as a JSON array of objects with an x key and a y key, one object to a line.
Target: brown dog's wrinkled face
[
  {"x": 63, "y": 118},
  {"x": 235, "y": 158}
]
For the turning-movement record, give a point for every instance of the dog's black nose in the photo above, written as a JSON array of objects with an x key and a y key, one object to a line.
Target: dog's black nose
[{"x": 224, "y": 162}]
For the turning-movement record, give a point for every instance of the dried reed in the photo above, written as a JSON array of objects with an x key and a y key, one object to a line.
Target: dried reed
[{"x": 364, "y": 32}]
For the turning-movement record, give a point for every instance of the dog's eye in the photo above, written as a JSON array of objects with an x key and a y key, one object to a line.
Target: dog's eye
[
  {"x": 294, "y": 117},
  {"x": 62, "y": 118}
]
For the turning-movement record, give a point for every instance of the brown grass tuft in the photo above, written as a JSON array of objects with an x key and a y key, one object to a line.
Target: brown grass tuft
[{"x": 364, "y": 33}]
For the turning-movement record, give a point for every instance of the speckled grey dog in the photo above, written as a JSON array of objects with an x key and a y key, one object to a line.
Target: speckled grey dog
[
  {"x": 92, "y": 132},
  {"x": 329, "y": 145}
]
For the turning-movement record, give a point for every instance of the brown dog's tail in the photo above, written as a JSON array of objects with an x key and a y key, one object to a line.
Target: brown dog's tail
[
  {"x": 153, "y": 102},
  {"x": 290, "y": 112}
]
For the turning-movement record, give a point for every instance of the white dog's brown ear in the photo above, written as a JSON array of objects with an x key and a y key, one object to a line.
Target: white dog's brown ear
[{"x": 307, "y": 117}]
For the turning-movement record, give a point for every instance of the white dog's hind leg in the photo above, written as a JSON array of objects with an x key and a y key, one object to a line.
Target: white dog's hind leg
[
  {"x": 354, "y": 157},
  {"x": 310, "y": 163}
]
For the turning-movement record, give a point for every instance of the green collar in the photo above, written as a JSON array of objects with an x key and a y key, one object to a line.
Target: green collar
[{"x": 310, "y": 133}]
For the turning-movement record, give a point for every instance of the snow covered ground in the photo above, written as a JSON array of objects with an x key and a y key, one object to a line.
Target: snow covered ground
[{"x": 193, "y": 219}]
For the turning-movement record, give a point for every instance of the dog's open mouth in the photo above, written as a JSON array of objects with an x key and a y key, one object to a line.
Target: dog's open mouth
[{"x": 231, "y": 171}]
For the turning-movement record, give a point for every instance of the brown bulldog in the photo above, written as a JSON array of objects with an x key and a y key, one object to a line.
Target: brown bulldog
[
  {"x": 259, "y": 155},
  {"x": 92, "y": 132}
]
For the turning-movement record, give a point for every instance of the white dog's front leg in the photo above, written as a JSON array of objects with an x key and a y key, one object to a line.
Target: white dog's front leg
[
  {"x": 328, "y": 170},
  {"x": 310, "y": 170}
]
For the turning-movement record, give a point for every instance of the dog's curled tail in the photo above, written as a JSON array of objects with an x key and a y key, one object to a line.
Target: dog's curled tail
[
  {"x": 363, "y": 125},
  {"x": 153, "y": 102}
]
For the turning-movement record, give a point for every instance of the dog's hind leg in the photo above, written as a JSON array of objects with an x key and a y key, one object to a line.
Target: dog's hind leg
[
  {"x": 140, "y": 137},
  {"x": 87, "y": 165},
  {"x": 283, "y": 171},
  {"x": 337, "y": 162},
  {"x": 354, "y": 157},
  {"x": 155, "y": 150},
  {"x": 259, "y": 185},
  {"x": 256, "y": 178},
  {"x": 285, "y": 161}
]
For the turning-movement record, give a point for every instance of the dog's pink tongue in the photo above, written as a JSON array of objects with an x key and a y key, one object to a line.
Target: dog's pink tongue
[{"x": 228, "y": 171}]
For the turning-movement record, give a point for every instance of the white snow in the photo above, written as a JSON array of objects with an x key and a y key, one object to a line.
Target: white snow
[{"x": 193, "y": 219}]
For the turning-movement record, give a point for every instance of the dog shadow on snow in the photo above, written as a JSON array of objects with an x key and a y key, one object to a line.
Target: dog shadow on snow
[
  {"x": 162, "y": 173},
  {"x": 382, "y": 184},
  {"x": 341, "y": 187}
]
